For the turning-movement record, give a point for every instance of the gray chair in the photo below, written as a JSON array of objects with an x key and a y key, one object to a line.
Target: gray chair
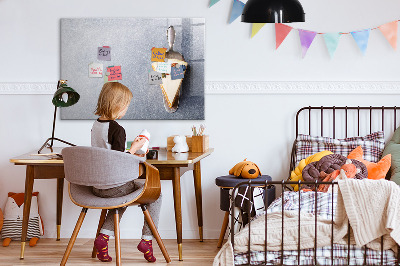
[{"x": 85, "y": 167}]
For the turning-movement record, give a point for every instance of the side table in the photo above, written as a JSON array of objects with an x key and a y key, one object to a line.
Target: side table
[{"x": 226, "y": 183}]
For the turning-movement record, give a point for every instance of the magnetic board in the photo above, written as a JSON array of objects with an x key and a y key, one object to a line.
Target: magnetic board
[{"x": 131, "y": 41}]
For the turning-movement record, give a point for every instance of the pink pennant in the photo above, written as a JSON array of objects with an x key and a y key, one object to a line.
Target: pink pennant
[
  {"x": 306, "y": 39},
  {"x": 389, "y": 30},
  {"x": 281, "y": 31}
]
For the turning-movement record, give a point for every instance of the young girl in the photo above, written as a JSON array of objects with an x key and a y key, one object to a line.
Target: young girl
[{"x": 113, "y": 102}]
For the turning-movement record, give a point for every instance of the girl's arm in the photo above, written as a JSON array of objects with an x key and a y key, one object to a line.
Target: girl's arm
[{"x": 136, "y": 145}]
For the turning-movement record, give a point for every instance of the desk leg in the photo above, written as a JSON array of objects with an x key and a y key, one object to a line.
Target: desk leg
[
  {"x": 176, "y": 182},
  {"x": 60, "y": 190},
  {"x": 197, "y": 189},
  {"x": 27, "y": 206}
]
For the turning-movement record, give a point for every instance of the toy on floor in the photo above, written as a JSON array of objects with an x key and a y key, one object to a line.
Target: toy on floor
[
  {"x": 245, "y": 169},
  {"x": 13, "y": 215},
  {"x": 1, "y": 219}
]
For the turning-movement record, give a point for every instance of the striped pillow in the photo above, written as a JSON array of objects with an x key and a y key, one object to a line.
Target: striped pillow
[
  {"x": 13, "y": 228},
  {"x": 372, "y": 145}
]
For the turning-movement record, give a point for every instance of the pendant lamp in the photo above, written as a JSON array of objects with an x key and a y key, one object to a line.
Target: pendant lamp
[
  {"x": 63, "y": 97},
  {"x": 273, "y": 11}
]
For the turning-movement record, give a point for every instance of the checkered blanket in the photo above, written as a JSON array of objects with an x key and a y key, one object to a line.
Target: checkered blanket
[{"x": 324, "y": 206}]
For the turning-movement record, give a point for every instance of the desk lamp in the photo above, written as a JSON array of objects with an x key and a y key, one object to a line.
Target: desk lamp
[
  {"x": 273, "y": 11},
  {"x": 64, "y": 96}
]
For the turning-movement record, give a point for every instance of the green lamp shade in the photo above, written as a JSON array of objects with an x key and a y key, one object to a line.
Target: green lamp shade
[{"x": 65, "y": 96}]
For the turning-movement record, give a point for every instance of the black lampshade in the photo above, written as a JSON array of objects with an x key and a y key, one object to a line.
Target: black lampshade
[
  {"x": 273, "y": 11},
  {"x": 60, "y": 101}
]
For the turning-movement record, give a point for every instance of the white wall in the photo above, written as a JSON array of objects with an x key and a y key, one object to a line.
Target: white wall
[{"x": 259, "y": 127}]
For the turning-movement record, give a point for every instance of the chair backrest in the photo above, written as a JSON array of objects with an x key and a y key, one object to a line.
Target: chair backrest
[{"x": 92, "y": 166}]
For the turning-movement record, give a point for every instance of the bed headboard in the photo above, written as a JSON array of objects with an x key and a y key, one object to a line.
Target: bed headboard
[{"x": 344, "y": 121}]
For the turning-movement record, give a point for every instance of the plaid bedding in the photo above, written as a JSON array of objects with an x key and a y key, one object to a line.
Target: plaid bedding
[
  {"x": 322, "y": 207},
  {"x": 372, "y": 145}
]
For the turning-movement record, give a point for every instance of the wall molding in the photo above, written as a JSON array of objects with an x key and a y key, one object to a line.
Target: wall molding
[
  {"x": 249, "y": 87},
  {"x": 304, "y": 87}
]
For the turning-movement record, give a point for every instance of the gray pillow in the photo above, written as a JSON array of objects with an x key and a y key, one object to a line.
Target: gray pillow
[{"x": 393, "y": 148}]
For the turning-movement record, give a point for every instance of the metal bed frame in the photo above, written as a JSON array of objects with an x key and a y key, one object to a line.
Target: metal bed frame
[{"x": 284, "y": 183}]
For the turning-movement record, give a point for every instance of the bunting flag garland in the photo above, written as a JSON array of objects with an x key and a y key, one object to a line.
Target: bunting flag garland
[
  {"x": 389, "y": 30},
  {"x": 332, "y": 41},
  {"x": 361, "y": 37},
  {"x": 237, "y": 9},
  {"x": 213, "y": 2},
  {"x": 281, "y": 31},
  {"x": 256, "y": 27},
  {"x": 306, "y": 39}
]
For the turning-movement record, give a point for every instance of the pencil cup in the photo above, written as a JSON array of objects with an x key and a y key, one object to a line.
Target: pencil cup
[{"x": 200, "y": 143}]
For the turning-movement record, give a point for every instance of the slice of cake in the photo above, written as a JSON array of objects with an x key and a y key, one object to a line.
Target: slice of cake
[{"x": 170, "y": 88}]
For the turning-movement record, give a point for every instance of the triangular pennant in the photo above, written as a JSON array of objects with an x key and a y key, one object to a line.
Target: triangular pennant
[
  {"x": 332, "y": 41},
  {"x": 389, "y": 30},
  {"x": 306, "y": 39},
  {"x": 281, "y": 31},
  {"x": 237, "y": 9},
  {"x": 213, "y": 2},
  {"x": 255, "y": 28},
  {"x": 361, "y": 37}
]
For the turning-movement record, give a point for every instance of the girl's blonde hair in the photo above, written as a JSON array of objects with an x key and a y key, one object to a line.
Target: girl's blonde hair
[{"x": 113, "y": 98}]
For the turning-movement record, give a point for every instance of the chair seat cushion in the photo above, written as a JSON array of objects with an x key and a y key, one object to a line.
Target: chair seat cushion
[{"x": 83, "y": 195}]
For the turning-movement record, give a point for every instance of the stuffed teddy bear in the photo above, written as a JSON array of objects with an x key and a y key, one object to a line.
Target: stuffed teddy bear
[
  {"x": 13, "y": 215},
  {"x": 180, "y": 144},
  {"x": 245, "y": 169}
]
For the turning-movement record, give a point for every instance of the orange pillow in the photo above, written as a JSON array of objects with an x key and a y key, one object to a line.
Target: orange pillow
[{"x": 375, "y": 170}]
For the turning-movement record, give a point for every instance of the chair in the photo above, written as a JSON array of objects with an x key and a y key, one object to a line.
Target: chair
[{"x": 85, "y": 167}]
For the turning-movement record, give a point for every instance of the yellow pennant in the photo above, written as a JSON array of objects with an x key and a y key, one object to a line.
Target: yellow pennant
[{"x": 255, "y": 28}]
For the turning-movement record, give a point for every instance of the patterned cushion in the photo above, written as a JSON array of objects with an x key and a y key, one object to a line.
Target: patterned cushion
[{"x": 372, "y": 144}]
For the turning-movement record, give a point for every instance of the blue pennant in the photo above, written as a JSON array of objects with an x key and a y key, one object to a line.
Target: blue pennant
[
  {"x": 237, "y": 9},
  {"x": 361, "y": 38}
]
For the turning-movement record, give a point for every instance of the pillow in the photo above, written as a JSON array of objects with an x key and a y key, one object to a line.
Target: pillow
[
  {"x": 296, "y": 174},
  {"x": 375, "y": 170},
  {"x": 393, "y": 148},
  {"x": 372, "y": 144}
]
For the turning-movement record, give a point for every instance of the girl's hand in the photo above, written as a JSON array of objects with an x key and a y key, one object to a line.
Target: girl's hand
[
  {"x": 142, "y": 155},
  {"x": 137, "y": 144}
]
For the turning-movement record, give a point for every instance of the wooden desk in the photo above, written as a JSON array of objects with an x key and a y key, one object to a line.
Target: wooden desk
[{"x": 168, "y": 164}]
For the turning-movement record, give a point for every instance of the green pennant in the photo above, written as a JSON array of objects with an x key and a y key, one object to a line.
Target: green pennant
[{"x": 213, "y": 2}]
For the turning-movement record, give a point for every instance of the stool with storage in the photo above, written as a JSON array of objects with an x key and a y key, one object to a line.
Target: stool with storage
[{"x": 226, "y": 183}]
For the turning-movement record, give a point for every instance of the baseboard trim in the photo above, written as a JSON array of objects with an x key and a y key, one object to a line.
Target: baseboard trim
[
  {"x": 136, "y": 234},
  {"x": 248, "y": 87}
]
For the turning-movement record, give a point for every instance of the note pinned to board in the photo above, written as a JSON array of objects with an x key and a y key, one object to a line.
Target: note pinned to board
[
  {"x": 104, "y": 53},
  {"x": 177, "y": 72},
  {"x": 95, "y": 70},
  {"x": 115, "y": 73},
  {"x": 163, "y": 67},
  {"x": 158, "y": 54},
  {"x": 155, "y": 78}
]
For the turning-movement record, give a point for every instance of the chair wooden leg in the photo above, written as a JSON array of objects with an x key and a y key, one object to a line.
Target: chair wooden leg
[
  {"x": 73, "y": 237},
  {"x": 223, "y": 229},
  {"x": 117, "y": 239},
  {"x": 154, "y": 230},
  {"x": 101, "y": 222}
]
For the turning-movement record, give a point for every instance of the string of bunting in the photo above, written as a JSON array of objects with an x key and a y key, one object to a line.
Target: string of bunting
[{"x": 361, "y": 37}]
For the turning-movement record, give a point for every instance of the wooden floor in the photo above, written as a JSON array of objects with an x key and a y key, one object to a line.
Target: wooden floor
[{"x": 50, "y": 252}]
